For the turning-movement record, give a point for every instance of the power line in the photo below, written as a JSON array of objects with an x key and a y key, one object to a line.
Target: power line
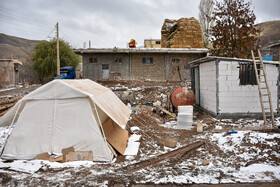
[
  {"x": 70, "y": 40},
  {"x": 50, "y": 32},
  {"x": 16, "y": 16}
]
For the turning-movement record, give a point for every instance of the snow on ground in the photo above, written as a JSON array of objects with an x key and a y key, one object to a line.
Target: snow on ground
[{"x": 245, "y": 157}]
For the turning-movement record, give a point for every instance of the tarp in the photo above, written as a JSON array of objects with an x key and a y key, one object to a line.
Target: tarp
[{"x": 61, "y": 114}]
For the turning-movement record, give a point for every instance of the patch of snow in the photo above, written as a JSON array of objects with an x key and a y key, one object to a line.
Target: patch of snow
[
  {"x": 68, "y": 164},
  {"x": 132, "y": 147},
  {"x": 135, "y": 129},
  {"x": 170, "y": 124},
  {"x": 135, "y": 138},
  {"x": 26, "y": 166}
]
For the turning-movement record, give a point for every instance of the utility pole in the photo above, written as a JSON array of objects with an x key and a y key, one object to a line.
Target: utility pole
[{"x": 57, "y": 52}]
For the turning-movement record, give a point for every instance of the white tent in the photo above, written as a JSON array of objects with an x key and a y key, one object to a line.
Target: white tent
[{"x": 61, "y": 114}]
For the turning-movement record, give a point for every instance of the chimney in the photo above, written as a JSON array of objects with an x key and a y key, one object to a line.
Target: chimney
[{"x": 89, "y": 44}]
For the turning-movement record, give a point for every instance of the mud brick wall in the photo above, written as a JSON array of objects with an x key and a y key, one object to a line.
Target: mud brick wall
[
  {"x": 184, "y": 67},
  {"x": 182, "y": 33},
  {"x": 155, "y": 71}
]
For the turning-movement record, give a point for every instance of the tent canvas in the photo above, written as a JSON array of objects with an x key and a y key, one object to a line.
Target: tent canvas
[{"x": 61, "y": 114}]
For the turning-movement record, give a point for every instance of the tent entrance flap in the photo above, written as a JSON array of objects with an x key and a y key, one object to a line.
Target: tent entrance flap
[{"x": 116, "y": 136}]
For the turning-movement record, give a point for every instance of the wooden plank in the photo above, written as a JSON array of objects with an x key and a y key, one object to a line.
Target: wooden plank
[
  {"x": 12, "y": 100},
  {"x": 157, "y": 159},
  {"x": 165, "y": 111},
  {"x": 4, "y": 112},
  {"x": 7, "y": 106}
]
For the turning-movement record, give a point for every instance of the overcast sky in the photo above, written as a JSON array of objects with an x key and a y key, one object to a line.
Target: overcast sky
[{"x": 107, "y": 23}]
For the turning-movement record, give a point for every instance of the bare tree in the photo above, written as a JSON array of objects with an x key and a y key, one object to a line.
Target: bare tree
[{"x": 205, "y": 18}]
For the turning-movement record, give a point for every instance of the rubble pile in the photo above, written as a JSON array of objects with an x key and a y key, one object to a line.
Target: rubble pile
[
  {"x": 248, "y": 156},
  {"x": 182, "y": 33}
]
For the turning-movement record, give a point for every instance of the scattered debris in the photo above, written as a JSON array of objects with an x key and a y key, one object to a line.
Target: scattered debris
[
  {"x": 250, "y": 156},
  {"x": 157, "y": 159}
]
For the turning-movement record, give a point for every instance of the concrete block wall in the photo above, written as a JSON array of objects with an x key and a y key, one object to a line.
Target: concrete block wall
[
  {"x": 208, "y": 86},
  {"x": 155, "y": 71},
  {"x": 272, "y": 76},
  {"x": 235, "y": 98},
  {"x": 93, "y": 71}
]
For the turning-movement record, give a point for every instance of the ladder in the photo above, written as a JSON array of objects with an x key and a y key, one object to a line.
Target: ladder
[{"x": 264, "y": 91}]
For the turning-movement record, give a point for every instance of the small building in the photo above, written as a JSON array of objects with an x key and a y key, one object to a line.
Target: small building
[
  {"x": 152, "y": 43},
  {"x": 228, "y": 87},
  {"x": 275, "y": 48},
  {"x": 138, "y": 63},
  {"x": 9, "y": 72}
]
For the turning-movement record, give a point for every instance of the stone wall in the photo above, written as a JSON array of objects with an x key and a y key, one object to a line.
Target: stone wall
[{"x": 182, "y": 33}]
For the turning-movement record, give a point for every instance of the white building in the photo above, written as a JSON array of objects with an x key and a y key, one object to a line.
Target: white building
[{"x": 227, "y": 86}]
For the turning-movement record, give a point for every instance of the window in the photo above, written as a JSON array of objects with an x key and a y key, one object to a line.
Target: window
[
  {"x": 92, "y": 60},
  {"x": 157, "y": 42},
  {"x": 247, "y": 74},
  {"x": 118, "y": 60},
  {"x": 147, "y": 60},
  {"x": 176, "y": 60}
]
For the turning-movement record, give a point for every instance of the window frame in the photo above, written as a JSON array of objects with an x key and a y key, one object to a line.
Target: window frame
[
  {"x": 149, "y": 62},
  {"x": 176, "y": 60},
  {"x": 247, "y": 75},
  {"x": 118, "y": 59}
]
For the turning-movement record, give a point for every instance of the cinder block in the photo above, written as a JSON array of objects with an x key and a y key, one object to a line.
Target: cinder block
[
  {"x": 225, "y": 72},
  {"x": 223, "y": 67}
]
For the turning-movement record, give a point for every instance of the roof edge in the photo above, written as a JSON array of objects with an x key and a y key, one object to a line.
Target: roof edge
[
  {"x": 210, "y": 58},
  {"x": 140, "y": 50}
]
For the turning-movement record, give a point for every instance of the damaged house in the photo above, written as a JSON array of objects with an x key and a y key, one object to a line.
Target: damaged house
[
  {"x": 138, "y": 63},
  {"x": 228, "y": 87},
  {"x": 9, "y": 71},
  {"x": 165, "y": 59}
]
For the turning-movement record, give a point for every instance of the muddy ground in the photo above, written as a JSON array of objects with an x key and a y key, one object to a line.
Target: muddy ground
[{"x": 208, "y": 164}]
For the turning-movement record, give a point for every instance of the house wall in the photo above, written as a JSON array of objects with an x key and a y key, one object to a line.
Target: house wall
[
  {"x": 155, "y": 71},
  {"x": 93, "y": 70},
  {"x": 235, "y": 98},
  {"x": 162, "y": 68},
  {"x": 152, "y": 43},
  {"x": 184, "y": 66},
  {"x": 8, "y": 75},
  {"x": 207, "y": 77},
  {"x": 276, "y": 52}
]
